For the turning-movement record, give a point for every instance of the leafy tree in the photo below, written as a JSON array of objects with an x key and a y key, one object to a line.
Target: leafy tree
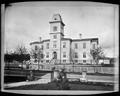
[
  {"x": 20, "y": 54},
  {"x": 37, "y": 55},
  {"x": 96, "y": 54},
  {"x": 33, "y": 54}
]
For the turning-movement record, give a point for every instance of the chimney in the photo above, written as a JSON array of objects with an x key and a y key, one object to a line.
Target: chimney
[
  {"x": 40, "y": 39},
  {"x": 80, "y": 36}
]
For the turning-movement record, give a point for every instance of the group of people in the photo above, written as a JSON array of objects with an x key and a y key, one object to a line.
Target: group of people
[
  {"x": 60, "y": 79},
  {"x": 30, "y": 76}
]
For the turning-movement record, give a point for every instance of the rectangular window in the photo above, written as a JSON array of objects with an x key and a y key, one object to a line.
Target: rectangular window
[
  {"x": 64, "y": 61},
  {"x": 64, "y": 44},
  {"x": 41, "y": 56},
  {"x": 64, "y": 54},
  {"x": 54, "y": 36},
  {"x": 47, "y": 55},
  {"x": 76, "y": 61},
  {"x": 76, "y": 55},
  {"x": 76, "y": 46},
  {"x": 42, "y": 47},
  {"x": 36, "y": 47},
  {"x": 47, "y": 46},
  {"x": 93, "y": 46},
  {"x": 54, "y": 44},
  {"x": 84, "y": 55},
  {"x": 55, "y": 28},
  {"x": 41, "y": 61},
  {"x": 47, "y": 61},
  {"x": 84, "y": 45},
  {"x": 84, "y": 61}
]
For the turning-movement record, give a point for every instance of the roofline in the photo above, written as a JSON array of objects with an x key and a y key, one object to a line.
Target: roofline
[
  {"x": 46, "y": 40},
  {"x": 66, "y": 39},
  {"x": 87, "y": 39},
  {"x": 37, "y": 42}
]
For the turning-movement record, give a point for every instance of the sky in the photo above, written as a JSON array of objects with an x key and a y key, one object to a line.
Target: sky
[{"x": 26, "y": 22}]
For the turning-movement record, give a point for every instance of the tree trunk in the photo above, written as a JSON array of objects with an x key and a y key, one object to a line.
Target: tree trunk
[{"x": 96, "y": 66}]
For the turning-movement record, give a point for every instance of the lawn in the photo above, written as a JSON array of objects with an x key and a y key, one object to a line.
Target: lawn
[{"x": 72, "y": 85}]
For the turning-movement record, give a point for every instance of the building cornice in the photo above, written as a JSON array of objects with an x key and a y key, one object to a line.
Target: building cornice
[
  {"x": 57, "y": 22},
  {"x": 37, "y": 42},
  {"x": 72, "y": 40},
  {"x": 86, "y": 39},
  {"x": 57, "y": 33}
]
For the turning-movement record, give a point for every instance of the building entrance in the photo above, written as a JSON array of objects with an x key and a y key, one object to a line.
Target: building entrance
[{"x": 54, "y": 55}]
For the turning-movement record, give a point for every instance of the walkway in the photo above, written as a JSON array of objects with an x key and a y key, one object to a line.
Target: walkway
[
  {"x": 47, "y": 78},
  {"x": 44, "y": 79}
]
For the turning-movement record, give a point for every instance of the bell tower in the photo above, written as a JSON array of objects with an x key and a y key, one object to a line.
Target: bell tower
[
  {"x": 56, "y": 34},
  {"x": 57, "y": 25}
]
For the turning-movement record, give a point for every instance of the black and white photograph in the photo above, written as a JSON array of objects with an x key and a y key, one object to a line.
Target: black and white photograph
[{"x": 60, "y": 48}]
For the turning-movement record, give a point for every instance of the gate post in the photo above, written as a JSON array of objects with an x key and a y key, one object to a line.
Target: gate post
[{"x": 52, "y": 73}]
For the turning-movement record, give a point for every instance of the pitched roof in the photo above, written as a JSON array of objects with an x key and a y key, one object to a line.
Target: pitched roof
[{"x": 59, "y": 19}]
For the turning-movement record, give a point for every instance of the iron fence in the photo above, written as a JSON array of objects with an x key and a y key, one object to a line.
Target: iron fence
[{"x": 69, "y": 67}]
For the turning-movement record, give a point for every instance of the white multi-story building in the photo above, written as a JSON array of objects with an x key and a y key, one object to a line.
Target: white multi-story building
[{"x": 64, "y": 50}]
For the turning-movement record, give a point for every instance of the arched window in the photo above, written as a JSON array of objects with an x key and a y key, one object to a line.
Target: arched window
[
  {"x": 47, "y": 55},
  {"x": 76, "y": 46},
  {"x": 54, "y": 44},
  {"x": 55, "y": 36},
  {"x": 93, "y": 46},
  {"x": 54, "y": 55},
  {"x": 64, "y": 44},
  {"x": 76, "y": 55},
  {"x": 47, "y": 46},
  {"x": 84, "y": 55},
  {"x": 64, "y": 54},
  {"x": 84, "y": 45}
]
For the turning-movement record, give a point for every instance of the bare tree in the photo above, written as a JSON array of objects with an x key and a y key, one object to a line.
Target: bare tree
[{"x": 21, "y": 49}]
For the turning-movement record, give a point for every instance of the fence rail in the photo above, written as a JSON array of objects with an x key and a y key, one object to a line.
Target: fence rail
[
  {"x": 74, "y": 68},
  {"x": 69, "y": 67}
]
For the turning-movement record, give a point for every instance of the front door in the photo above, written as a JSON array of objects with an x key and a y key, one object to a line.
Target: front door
[{"x": 54, "y": 55}]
